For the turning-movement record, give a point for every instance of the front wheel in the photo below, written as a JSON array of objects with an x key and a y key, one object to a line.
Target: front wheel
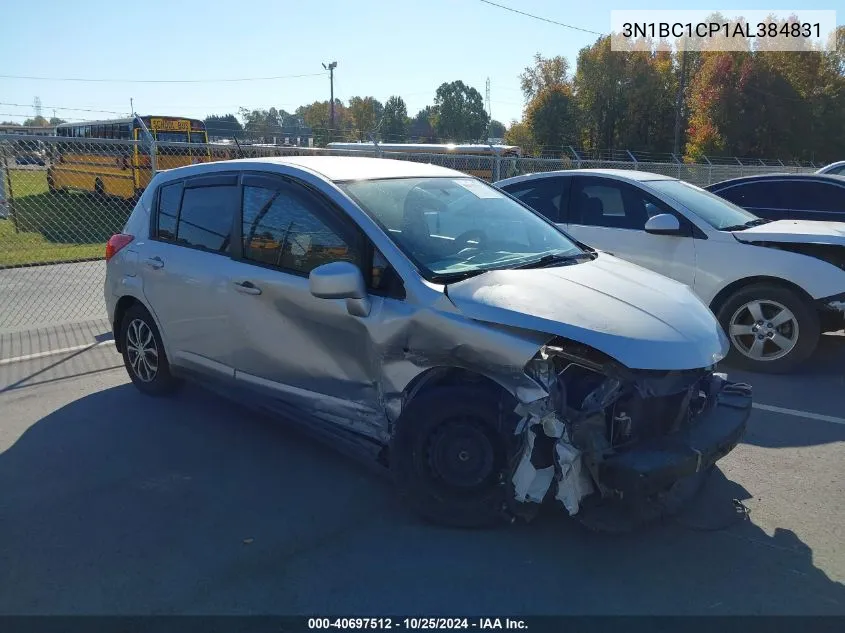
[
  {"x": 143, "y": 353},
  {"x": 449, "y": 456},
  {"x": 771, "y": 329}
]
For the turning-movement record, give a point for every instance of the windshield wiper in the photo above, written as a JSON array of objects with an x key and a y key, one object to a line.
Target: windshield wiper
[
  {"x": 747, "y": 225},
  {"x": 548, "y": 260},
  {"x": 450, "y": 278}
]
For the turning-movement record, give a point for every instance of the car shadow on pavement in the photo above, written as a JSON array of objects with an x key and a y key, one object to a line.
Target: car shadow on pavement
[{"x": 118, "y": 503}]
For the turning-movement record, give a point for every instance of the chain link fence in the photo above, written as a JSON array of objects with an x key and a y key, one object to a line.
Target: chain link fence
[{"x": 61, "y": 199}]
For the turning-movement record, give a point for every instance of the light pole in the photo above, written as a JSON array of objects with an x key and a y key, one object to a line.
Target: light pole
[{"x": 331, "y": 68}]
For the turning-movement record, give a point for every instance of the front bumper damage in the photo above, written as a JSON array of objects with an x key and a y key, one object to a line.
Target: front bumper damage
[{"x": 619, "y": 434}]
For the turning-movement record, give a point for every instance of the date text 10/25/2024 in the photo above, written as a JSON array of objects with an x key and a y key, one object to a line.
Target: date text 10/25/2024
[{"x": 418, "y": 623}]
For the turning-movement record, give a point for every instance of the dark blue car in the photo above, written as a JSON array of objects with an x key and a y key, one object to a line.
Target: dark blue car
[{"x": 787, "y": 196}]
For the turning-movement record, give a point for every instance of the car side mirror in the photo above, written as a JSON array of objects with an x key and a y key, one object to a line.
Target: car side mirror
[
  {"x": 341, "y": 280},
  {"x": 663, "y": 224}
]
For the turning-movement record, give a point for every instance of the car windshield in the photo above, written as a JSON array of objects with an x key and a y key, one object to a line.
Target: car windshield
[
  {"x": 452, "y": 228},
  {"x": 717, "y": 212}
]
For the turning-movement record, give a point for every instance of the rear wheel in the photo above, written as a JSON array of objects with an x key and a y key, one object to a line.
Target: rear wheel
[
  {"x": 143, "y": 353},
  {"x": 448, "y": 457},
  {"x": 99, "y": 189},
  {"x": 771, "y": 329}
]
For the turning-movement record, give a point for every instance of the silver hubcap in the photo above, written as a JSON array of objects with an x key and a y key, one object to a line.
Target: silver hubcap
[
  {"x": 764, "y": 330},
  {"x": 141, "y": 350}
]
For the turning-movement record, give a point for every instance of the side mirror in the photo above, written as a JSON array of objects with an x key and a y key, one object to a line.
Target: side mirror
[
  {"x": 341, "y": 280},
  {"x": 663, "y": 224}
]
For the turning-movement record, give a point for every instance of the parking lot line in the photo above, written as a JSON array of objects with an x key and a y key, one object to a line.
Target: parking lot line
[
  {"x": 54, "y": 352},
  {"x": 800, "y": 414}
]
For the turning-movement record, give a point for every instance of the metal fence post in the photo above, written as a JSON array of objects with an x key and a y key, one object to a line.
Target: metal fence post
[
  {"x": 6, "y": 202},
  {"x": 497, "y": 168}
]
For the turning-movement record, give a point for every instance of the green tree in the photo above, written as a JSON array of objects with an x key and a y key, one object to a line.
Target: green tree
[
  {"x": 551, "y": 117},
  {"x": 544, "y": 73},
  {"x": 317, "y": 116},
  {"x": 37, "y": 121},
  {"x": 520, "y": 134},
  {"x": 394, "y": 125},
  {"x": 366, "y": 112},
  {"x": 599, "y": 87},
  {"x": 225, "y": 126},
  {"x": 459, "y": 113},
  {"x": 422, "y": 126},
  {"x": 54, "y": 120}
]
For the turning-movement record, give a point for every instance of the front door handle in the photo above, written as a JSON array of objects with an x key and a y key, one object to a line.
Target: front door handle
[
  {"x": 155, "y": 262},
  {"x": 247, "y": 287}
]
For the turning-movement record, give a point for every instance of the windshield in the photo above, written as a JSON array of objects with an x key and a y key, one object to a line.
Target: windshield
[
  {"x": 716, "y": 211},
  {"x": 197, "y": 136},
  {"x": 171, "y": 137},
  {"x": 456, "y": 227}
]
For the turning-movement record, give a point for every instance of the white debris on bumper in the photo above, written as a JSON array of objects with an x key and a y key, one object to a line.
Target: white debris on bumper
[{"x": 532, "y": 479}]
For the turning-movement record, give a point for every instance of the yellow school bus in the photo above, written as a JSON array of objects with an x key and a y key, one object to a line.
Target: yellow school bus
[
  {"x": 93, "y": 158},
  {"x": 474, "y": 159}
]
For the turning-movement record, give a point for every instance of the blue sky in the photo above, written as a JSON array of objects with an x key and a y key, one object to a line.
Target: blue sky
[{"x": 383, "y": 47}]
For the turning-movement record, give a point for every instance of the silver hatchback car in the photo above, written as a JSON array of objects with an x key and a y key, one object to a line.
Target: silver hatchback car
[{"x": 489, "y": 360}]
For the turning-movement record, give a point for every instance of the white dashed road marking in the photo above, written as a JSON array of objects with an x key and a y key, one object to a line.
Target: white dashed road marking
[
  {"x": 799, "y": 414},
  {"x": 54, "y": 352}
]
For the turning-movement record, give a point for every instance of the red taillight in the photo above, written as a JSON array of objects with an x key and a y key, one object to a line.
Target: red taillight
[{"x": 116, "y": 242}]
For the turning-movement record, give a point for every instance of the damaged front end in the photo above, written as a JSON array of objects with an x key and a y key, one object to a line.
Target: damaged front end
[{"x": 611, "y": 433}]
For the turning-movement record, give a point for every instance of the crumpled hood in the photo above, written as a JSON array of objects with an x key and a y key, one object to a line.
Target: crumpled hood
[
  {"x": 640, "y": 318},
  {"x": 799, "y": 231}
]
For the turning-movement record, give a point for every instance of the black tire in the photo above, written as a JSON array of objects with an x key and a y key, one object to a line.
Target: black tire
[
  {"x": 99, "y": 189},
  {"x": 160, "y": 381},
  {"x": 806, "y": 335},
  {"x": 443, "y": 430},
  {"x": 51, "y": 184}
]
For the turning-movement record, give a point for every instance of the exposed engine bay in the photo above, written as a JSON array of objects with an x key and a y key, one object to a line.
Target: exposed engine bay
[{"x": 617, "y": 433}]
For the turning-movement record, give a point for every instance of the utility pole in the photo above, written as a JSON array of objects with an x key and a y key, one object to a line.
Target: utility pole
[
  {"x": 489, "y": 107},
  {"x": 679, "y": 101},
  {"x": 331, "y": 68}
]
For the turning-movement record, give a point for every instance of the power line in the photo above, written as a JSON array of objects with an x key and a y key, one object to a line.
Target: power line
[
  {"x": 53, "y": 107},
  {"x": 160, "y": 81},
  {"x": 542, "y": 19}
]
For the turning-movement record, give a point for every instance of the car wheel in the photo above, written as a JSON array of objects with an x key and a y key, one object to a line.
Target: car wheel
[
  {"x": 99, "y": 189},
  {"x": 771, "y": 329},
  {"x": 449, "y": 456},
  {"x": 144, "y": 355}
]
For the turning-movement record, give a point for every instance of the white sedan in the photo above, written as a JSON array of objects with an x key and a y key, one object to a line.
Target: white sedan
[{"x": 775, "y": 286}]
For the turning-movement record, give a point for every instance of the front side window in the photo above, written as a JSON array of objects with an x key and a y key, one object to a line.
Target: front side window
[
  {"x": 608, "y": 203},
  {"x": 548, "y": 196},
  {"x": 285, "y": 227},
  {"x": 205, "y": 218},
  {"x": 453, "y": 227}
]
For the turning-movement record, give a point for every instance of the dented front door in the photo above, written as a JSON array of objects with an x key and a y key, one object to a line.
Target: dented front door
[{"x": 310, "y": 355}]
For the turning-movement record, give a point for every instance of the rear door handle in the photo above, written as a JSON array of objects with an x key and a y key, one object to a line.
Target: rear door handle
[
  {"x": 247, "y": 287},
  {"x": 155, "y": 262}
]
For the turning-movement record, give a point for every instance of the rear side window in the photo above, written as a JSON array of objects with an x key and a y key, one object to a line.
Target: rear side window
[
  {"x": 199, "y": 217},
  {"x": 205, "y": 219}
]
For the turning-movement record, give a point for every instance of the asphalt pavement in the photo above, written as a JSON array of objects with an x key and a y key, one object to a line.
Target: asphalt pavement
[{"x": 116, "y": 503}]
